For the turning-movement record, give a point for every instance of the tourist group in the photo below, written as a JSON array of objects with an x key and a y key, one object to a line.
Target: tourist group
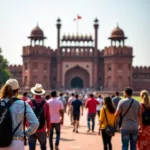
[{"x": 30, "y": 118}]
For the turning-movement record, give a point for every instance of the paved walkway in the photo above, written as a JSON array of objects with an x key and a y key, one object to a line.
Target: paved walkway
[{"x": 82, "y": 140}]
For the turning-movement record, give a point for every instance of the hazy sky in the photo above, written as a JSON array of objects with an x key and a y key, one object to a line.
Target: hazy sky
[{"x": 18, "y": 18}]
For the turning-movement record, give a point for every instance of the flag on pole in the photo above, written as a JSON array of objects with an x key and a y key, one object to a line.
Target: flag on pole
[{"x": 78, "y": 18}]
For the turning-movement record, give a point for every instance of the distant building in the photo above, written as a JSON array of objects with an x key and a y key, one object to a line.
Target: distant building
[{"x": 78, "y": 63}]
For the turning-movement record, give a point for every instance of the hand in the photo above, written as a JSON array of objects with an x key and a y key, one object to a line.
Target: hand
[
  {"x": 61, "y": 122},
  {"x": 140, "y": 129},
  {"x": 48, "y": 132},
  {"x": 82, "y": 114}
]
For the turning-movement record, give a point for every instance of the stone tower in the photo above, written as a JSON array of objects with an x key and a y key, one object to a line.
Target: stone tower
[
  {"x": 117, "y": 62},
  {"x": 36, "y": 61}
]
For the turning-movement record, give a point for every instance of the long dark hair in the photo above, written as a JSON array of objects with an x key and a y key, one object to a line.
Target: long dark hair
[{"x": 110, "y": 106}]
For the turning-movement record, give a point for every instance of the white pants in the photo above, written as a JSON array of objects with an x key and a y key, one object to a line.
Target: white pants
[{"x": 15, "y": 145}]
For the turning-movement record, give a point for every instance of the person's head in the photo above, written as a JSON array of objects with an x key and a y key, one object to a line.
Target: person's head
[
  {"x": 47, "y": 97},
  {"x": 99, "y": 96},
  {"x": 91, "y": 95},
  {"x": 72, "y": 94},
  {"x": 145, "y": 97},
  {"x": 110, "y": 106},
  {"x": 61, "y": 94},
  {"x": 25, "y": 94},
  {"x": 127, "y": 92},
  {"x": 112, "y": 96},
  {"x": 117, "y": 93},
  {"x": 11, "y": 88},
  {"x": 76, "y": 96},
  {"x": 38, "y": 90},
  {"x": 53, "y": 94}
]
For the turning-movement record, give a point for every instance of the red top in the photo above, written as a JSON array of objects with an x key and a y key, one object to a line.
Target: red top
[
  {"x": 38, "y": 100},
  {"x": 91, "y": 104}
]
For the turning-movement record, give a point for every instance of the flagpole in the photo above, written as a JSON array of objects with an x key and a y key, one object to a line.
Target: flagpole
[{"x": 77, "y": 25}]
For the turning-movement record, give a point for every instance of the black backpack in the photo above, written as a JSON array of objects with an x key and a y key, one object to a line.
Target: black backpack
[
  {"x": 39, "y": 112},
  {"x": 146, "y": 116},
  {"x": 6, "y": 131}
]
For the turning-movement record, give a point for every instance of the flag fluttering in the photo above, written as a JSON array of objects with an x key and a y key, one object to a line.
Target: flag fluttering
[{"x": 78, "y": 18}]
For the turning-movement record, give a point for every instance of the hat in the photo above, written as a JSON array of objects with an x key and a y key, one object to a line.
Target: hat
[
  {"x": 37, "y": 90},
  {"x": 13, "y": 83}
]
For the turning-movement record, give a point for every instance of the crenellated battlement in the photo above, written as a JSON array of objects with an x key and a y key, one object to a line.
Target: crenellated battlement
[
  {"x": 141, "y": 69},
  {"x": 15, "y": 67},
  {"x": 117, "y": 51},
  {"x": 37, "y": 50}
]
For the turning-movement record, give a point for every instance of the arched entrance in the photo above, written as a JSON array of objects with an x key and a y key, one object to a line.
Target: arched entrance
[
  {"x": 77, "y": 77},
  {"x": 77, "y": 83}
]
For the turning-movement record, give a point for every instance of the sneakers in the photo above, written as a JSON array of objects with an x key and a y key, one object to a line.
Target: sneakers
[
  {"x": 74, "y": 130},
  {"x": 56, "y": 148}
]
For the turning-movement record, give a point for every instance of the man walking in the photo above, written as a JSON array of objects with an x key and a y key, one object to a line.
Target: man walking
[
  {"x": 63, "y": 100},
  {"x": 116, "y": 99},
  {"x": 91, "y": 104},
  {"x": 131, "y": 119},
  {"x": 56, "y": 111},
  {"x": 76, "y": 106},
  {"x": 71, "y": 99},
  {"x": 41, "y": 110}
]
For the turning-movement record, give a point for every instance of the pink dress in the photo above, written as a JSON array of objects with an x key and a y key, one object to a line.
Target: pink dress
[{"x": 144, "y": 137}]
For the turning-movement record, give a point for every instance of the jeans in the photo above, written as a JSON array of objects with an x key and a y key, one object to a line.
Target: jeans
[
  {"x": 129, "y": 135},
  {"x": 106, "y": 140},
  {"x": 89, "y": 118},
  {"x": 55, "y": 126},
  {"x": 41, "y": 137}
]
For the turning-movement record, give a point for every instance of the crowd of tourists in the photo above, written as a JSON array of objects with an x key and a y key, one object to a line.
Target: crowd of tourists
[{"x": 36, "y": 117}]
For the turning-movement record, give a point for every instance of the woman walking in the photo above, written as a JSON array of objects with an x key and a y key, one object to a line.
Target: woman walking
[
  {"x": 144, "y": 133},
  {"x": 107, "y": 117},
  {"x": 18, "y": 110}
]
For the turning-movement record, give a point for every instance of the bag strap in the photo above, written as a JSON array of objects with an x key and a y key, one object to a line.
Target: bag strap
[
  {"x": 144, "y": 106},
  {"x": 14, "y": 99},
  {"x": 128, "y": 108},
  {"x": 25, "y": 110},
  {"x": 34, "y": 103},
  {"x": 42, "y": 103},
  {"x": 106, "y": 116}
]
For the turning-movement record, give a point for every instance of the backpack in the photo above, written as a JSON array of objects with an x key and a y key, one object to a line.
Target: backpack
[
  {"x": 146, "y": 116},
  {"x": 6, "y": 131},
  {"x": 39, "y": 112}
]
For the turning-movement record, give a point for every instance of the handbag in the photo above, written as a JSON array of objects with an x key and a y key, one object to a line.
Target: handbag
[
  {"x": 110, "y": 130},
  {"x": 122, "y": 116}
]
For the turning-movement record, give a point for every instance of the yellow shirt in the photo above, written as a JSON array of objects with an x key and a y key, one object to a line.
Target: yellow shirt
[{"x": 102, "y": 118}]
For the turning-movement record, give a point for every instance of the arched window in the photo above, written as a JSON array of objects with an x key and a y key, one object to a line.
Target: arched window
[{"x": 109, "y": 67}]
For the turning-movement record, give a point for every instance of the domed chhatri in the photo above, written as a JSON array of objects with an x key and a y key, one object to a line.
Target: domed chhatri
[
  {"x": 117, "y": 34},
  {"x": 37, "y": 33}
]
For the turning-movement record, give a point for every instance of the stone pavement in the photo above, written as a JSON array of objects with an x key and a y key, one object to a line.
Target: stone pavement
[{"x": 82, "y": 140}]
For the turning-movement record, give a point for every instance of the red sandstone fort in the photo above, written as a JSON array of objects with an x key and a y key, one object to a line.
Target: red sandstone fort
[{"x": 78, "y": 63}]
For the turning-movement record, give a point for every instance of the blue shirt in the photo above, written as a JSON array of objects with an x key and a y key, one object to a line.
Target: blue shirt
[
  {"x": 76, "y": 104},
  {"x": 17, "y": 113}
]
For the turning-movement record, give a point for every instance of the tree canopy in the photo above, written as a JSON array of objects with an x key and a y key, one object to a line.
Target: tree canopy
[{"x": 4, "y": 72}]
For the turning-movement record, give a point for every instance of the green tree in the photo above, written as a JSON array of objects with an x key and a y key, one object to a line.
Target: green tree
[{"x": 4, "y": 72}]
